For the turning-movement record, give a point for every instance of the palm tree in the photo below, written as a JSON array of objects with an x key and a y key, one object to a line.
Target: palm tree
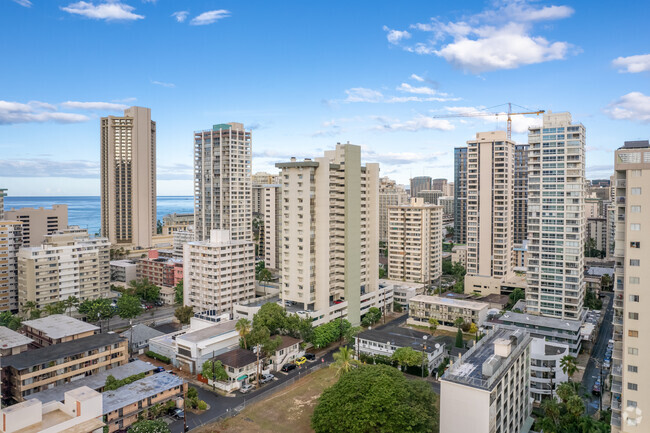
[
  {"x": 71, "y": 302},
  {"x": 29, "y": 307},
  {"x": 568, "y": 364},
  {"x": 344, "y": 360},
  {"x": 243, "y": 326},
  {"x": 575, "y": 406}
]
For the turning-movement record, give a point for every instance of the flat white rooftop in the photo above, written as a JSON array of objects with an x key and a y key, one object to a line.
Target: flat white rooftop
[
  {"x": 60, "y": 326},
  {"x": 10, "y": 339},
  {"x": 440, "y": 300}
]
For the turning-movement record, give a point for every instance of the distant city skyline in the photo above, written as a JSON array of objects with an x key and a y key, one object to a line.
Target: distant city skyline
[{"x": 303, "y": 86}]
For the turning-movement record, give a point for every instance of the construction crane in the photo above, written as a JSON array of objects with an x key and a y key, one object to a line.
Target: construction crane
[{"x": 486, "y": 113}]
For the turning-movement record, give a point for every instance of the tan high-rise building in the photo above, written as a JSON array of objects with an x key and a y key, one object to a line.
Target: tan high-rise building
[
  {"x": 222, "y": 181},
  {"x": 38, "y": 223},
  {"x": 415, "y": 242},
  {"x": 490, "y": 212},
  {"x": 11, "y": 239},
  {"x": 390, "y": 194},
  {"x": 263, "y": 178},
  {"x": 218, "y": 273},
  {"x": 3, "y": 194},
  {"x": 69, "y": 263},
  {"x": 128, "y": 177},
  {"x": 630, "y": 373},
  {"x": 556, "y": 218},
  {"x": 420, "y": 183},
  {"x": 330, "y": 230},
  {"x": 270, "y": 236}
]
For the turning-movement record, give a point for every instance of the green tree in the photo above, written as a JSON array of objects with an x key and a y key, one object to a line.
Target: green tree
[
  {"x": 575, "y": 406},
  {"x": 70, "y": 303},
  {"x": 447, "y": 267},
  {"x": 350, "y": 333},
  {"x": 433, "y": 324},
  {"x": 606, "y": 281},
  {"x": 243, "y": 326},
  {"x": 373, "y": 315},
  {"x": 382, "y": 272},
  {"x": 407, "y": 357},
  {"x": 55, "y": 308},
  {"x": 473, "y": 329},
  {"x": 145, "y": 290},
  {"x": 459, "y": 339},
  {"x": 271, "y": 316},
  {"x": 515, "y": 296},
  {"x": 9, "y": 320},
  {"x": 351, "y": 405},
  {"x": 128, "y": 307},
  {"x": 184, "y": 314},
  {"x": 159, "y": 227},
  {"x": 214, "y": 372},
  {"x": 344, "y": 360},
  {"x": 29, "y": 307},
  {"x": 568, "y": 365},
  {"x": 564, "y": 391},
  {"x": 178, "y": 293},
  {"x": 259, "y": 266},
  {"x": 149, "y": 426},
  {"x": 459, "y": 322}
]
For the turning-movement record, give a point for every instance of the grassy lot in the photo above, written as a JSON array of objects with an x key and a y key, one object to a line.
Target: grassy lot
[{"x": 288, "y": 410}]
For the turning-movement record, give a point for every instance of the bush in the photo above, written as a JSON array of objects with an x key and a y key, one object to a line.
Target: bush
[
  {"x": 192, "y": 393},
  {"x": 465, "y": 326},
  {"x": 202, "y": 405},
  {"x": 157, "y": 356},
  {"x": 113, "y": 384},
  {"x": 416, "y": 370}
]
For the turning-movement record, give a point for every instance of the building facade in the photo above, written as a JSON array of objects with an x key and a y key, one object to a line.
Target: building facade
[
  {"x": 3, "y": 194},
  {"x": 128, "y": 177},
  {"x": 445, "y": 311},
  {"x": 420, "y": 183},
  {"x": 38, "y": 223},
  {"x": 415, "y": 242},
  {"x": 222, "y": 181},
  {"x": 521, "y": 193},
  {"x": 430, "y": 196},
  {"x": 69, "y": 263},
  {"x": 460, "y": 195},
  {"x": 160, "y": 271},
  {"x": 556, "y": 219},
  {"x": 56, "y": 329},
  {"x": 11, "y": 239},
  {"x": 390, "y": 194},
  {"x": 330, "y": 230},
  {"x": 493, "y": 379},
  {"x": 447, "y": 204},
  {"x": 597, "y": 230},
  {"x": 545, "y": 368},
  {"x": 218, "y": 273},
  {"x": 270, "y": 236},
  {"x": 175, "y": 222},
  {"x": 439, "y": 184},
  {"x": 630, "y": 374},
  {"x": 490, "y": 212}
]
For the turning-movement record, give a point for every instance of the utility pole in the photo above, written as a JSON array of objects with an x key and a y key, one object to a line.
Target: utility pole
[
  {"x": 185, "y": 429},
  {"x": 258, "y": 347},
  {"x": 214, "y": 376}
]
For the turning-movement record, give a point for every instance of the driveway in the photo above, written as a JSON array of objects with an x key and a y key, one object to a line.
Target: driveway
[{"x": 591, "y": 373}]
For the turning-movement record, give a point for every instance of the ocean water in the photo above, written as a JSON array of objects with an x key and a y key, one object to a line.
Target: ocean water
[{"x": 86, "y": 211}]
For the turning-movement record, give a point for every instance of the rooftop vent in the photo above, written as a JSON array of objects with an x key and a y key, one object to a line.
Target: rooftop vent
[{"x": 491, "y": 365}]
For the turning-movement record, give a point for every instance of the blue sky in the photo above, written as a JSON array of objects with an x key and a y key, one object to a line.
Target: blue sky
[{"x": 305, "y": 75}]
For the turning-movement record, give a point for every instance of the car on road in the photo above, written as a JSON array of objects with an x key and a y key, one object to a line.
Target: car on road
[
  {"x": 246, "y": 388},
  {"x": 596, "y": 388},
  {"x": 178, "y": 413},
  {"x": 288, "y": 367},
  {"x": 310, "y": 356},
  {"x": 266, "y": 378},
  {"x": 300, "y": 361}
]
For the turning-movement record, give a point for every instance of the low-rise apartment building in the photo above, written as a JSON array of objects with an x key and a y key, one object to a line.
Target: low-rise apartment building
[
  {"x": 545, "y": 369},
  {"x": 459, "y": 255},
  {"x": 36, "y": 370},
  {"x": 12, "y": 342},
  {"x": 81, "y": 412},
  {"x": 160, "y": 271},
  {"x": 403, "y": 292},
  {"x": 446, "y": 311},
  {"x": 492, "y": 380},
  {"x": 56, "y": 329},
  {"x": 124, "y": 271},
  {"x": 37, "y": 223},
  {"x": 122, "y": 407}
]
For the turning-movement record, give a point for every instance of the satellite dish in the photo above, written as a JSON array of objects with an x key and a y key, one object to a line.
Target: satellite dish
[{"x": 437, "y": 346}]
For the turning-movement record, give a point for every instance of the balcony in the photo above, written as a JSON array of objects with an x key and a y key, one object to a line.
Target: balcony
[{"x": 617, "y": 386}]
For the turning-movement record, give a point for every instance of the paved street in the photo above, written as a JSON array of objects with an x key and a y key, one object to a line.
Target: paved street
[
  {"x": 147, "y": 317},
  {"x": 598, "y": 353}
]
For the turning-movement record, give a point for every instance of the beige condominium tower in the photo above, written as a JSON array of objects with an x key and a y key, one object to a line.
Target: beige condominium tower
[
  {"x": 390, "y": 194},
  {"x": 556, "y": 220},
  {"x": 222, "y": 181},
  {"x": 330, "y": 230},
  {"x": 490, "y": 211},
  {"x": 630, "y": 370},
  {"x": 128, "y": 177},
  {"x": 415, "y": 242}
]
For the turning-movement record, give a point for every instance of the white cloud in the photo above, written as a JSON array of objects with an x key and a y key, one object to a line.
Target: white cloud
[
  {"x": 500, "y": 38},
  {"x": 424, "y": 90},
  {"x": 35, "y": 112},
  {"x": 42, "y": 167},
  {"x": 633, "y": 106},
  {"x": 109, "y": 11},
  {"x": 180, "y": 15},
  {"x": 633, "y": 64},
  {"x": 395, "y": 36},
  {"x": 99, "y": 106},
  {"x": 163, "y": 84},
  {"x": 520, "y": 123},
  {"x": 24, "y": 3},
  {"x": 417, "y": 78},
  {"x": 399, "y": 158},
  {"x": 418, "y": 123},
  {"x": 361, "y": 94},
  {"x": 209, "y": 17}
]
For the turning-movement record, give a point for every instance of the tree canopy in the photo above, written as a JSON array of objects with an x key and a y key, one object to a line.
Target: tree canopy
[
  {"x": 568, "y": 415},
  {"x": 128, "y": 306},
  {"x": 212, "y": 372},
  {"x": 271, "y": 316},
  {"x": 376, "y": 398},
  {"x": 184, "y": 314},
  {"x": 149, "y": 426},
  {"x": 144, "y": 289}
]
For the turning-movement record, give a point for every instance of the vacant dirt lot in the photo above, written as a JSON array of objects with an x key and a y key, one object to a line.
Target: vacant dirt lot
[{"x": 288, "y": 410}]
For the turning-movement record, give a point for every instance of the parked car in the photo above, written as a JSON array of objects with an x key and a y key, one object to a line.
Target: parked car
[
  {"x": 300, "y": 361},
  {"x": 266, "y": 378},
  {"x": 178, "y": 413},
  {"x": 246, "y": 388},
  {"x": 159, "y": 369},
  {"x": 310, "y": 356},
  {"x": 596, "y": 389},
  {"x": 288, "y": 367}
]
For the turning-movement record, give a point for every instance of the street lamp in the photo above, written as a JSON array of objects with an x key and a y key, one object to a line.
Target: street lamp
[{"x": 424, "y": 347}]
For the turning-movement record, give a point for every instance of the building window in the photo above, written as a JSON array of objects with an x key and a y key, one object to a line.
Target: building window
[
  {"x": 635, "y": 244},
  {"x": 632, "y": 351},
  {"x": 635, "y": 209},
  {"x": 632, "y": 368},
  {"x": 634, "y": 298},
  {"x": 636, "y": 191},
  {"x": 635, "y": 227},
  {"x": 632, "y": 333},
  {"x": 635, "y": 262},
  {"x": 634, "y": 280},
  {"x": 633, "y": 316},
  {"x": 632, "y": 386},
  {"x": 631, "y": 403}
]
